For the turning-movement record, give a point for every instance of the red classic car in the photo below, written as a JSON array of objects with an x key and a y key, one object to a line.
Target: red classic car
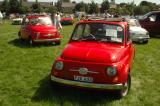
[
  {"x": 99, "y": 55},
  {"x": 67, "y": 20},
  {"x": 39, "y": 28}
]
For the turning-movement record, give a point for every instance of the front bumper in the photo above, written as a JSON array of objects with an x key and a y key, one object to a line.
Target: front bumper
[
  {"x": 87, "y": 85},
  {"x": 46, "y": 40},
  {"x": 140, "y": 39}
]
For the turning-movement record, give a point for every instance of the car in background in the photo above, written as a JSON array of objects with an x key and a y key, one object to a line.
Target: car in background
[
  {"x": 39, "y": 28},
  {"x": 138, "y": 34},
  {"x": 67, "y": 20},
  {"x": 99, "y": 55},
  {"x": 17, "y": 21},
  {"x": 151, "y": 22}
]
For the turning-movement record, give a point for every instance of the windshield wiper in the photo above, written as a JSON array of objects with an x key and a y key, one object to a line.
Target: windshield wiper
[{"x": 89, "y": 37}]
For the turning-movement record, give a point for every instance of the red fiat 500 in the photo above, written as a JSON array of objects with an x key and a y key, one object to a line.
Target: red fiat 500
[
  {"x": 99, "y": 55},
  {"x": 39, "y": 28},
  {"x": 67, "y": 20}
]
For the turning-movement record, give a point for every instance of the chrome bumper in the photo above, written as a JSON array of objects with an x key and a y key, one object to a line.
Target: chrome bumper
[
  {"x": 140, "y": 38},
  {"x": 87, "y": 85},
  {"x": 46, "y": 40}
]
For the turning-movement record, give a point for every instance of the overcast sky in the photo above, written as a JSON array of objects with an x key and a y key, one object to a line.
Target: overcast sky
[{"x": 100, "y": 1}]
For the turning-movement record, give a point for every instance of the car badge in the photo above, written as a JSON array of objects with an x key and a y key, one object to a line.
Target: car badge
[
  {"x": 83, "y": 71},
  {"x": 49, "y": 34}
]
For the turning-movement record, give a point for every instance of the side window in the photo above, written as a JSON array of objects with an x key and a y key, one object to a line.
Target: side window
[
  {"x": 87, "y": 30},
  {"x": 78, "y": 32},
  {"x": 152, "y": 17},
  {"x": 158, "y": 17}
]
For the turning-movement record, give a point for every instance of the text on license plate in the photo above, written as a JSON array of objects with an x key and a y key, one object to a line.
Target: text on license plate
[{"x": 83, "y": 79}]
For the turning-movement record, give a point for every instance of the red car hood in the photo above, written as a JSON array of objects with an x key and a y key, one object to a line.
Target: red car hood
[
  {"x": 93, "y": 52},
  {"x": 40, "y": 28}
]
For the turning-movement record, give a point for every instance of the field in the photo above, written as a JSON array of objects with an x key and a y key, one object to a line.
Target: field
[{"x": 24, "y": 75}]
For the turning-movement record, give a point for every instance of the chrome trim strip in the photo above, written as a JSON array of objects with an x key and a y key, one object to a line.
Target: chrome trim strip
[
  {"x": 45, "y": 40},
  {"x": 77, "y": 70},
  {"x": 87, "y": 85}
]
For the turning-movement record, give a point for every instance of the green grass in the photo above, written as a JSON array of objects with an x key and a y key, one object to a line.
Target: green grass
[{"x": 24, "y": 74}]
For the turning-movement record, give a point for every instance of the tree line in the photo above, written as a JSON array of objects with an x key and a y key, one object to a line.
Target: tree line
[{"x": 16, "y": 6}]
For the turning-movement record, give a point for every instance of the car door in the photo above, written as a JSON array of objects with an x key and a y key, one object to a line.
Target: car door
[
  {"x": 157, "y": 24},
  {"x": 129, "y": 46}
]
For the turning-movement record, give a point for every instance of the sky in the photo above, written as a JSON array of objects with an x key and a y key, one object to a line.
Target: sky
[{"x": 100, "y": 1}]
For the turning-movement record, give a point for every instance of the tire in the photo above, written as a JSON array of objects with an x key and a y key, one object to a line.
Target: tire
[
  {"x": 19, "y": 35},
  {"x": 31, "y": 41},
  {"x": 123, "y": 92},
  {"x": 145, "y": 42},
  {"x": 58, "y": 43}
]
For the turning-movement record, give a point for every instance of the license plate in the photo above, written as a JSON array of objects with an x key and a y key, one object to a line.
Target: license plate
[{"x": 83, "y": 79}]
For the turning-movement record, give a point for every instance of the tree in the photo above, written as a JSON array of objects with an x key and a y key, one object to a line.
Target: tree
[
  {"x": 51, "y": 10},
  {"x": 37, "y": 8},
  {"x": 104, "y": 6},
  {"x": 80, "y": 7},
  {"x": 24, "y": 9},
  {"x": 65, "y": 0},
  {"x": 5, "y": 6},
  {"x": 137, "y": 10},
  {"x": 59, "y": 5},
  {"x": 14, "y": 6},
  {"x": 93, "y": 8}
]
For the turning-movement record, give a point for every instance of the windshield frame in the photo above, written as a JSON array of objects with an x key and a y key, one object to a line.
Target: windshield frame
[{"x": 114, "y": 24}]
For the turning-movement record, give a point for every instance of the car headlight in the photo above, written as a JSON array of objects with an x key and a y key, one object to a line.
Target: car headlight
[
  {"x": 59, "y": 65},
  {"x": 111, "y": 71}
]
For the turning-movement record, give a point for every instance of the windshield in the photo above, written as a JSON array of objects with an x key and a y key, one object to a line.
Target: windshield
[
  {"x": 46, "y": 21},
  {"x": 134, "y": 22},
  {"x": 99, "y": 32},
  {"x": 146, "y": 15}
]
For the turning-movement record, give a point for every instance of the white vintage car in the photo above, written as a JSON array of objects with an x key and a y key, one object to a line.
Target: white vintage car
[
  {"x": 17, "y": 21},
  {"x": 138, "y": 34}
]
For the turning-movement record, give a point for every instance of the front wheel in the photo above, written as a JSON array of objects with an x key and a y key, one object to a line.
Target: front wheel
[
  {"x": 145, "y": 42},
  {"x": 123, "y": 92},
  {"x": 57, "y": 42},
  {"x": 31, "y": 41}
]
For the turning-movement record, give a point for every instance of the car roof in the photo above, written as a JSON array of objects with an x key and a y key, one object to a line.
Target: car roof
[
  {"x": 116, "y": 21},
  {"x": 35, "y": 16}
]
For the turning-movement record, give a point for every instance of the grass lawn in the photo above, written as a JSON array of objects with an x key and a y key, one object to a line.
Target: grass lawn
[{"x": 24, "y": 74}]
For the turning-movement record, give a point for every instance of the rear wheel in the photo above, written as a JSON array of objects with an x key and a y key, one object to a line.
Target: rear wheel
[
  {"x": 145, "y": 42},
  {"x": 123, "y": 92},
  {"x": 30, "y": 41},
  {"x": 19, "y": 35}
]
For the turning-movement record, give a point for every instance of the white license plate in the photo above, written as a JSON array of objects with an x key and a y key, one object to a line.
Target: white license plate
[{"x": 83, "y": 79}]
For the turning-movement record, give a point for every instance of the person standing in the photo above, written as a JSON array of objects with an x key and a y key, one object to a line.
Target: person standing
[
  {"x": 1, "y": 17},
  {"x": 57, "y": 21}
]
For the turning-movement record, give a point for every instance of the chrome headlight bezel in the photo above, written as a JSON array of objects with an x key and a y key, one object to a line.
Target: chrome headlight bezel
[
  {"x": 58, "y": 65},
  {"x": 111, "y": 71}
]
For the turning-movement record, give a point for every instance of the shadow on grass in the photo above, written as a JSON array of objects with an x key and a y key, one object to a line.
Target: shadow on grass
[
  {"x": 25, "y": 44},
  {"x": 61, "y": 94}
]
